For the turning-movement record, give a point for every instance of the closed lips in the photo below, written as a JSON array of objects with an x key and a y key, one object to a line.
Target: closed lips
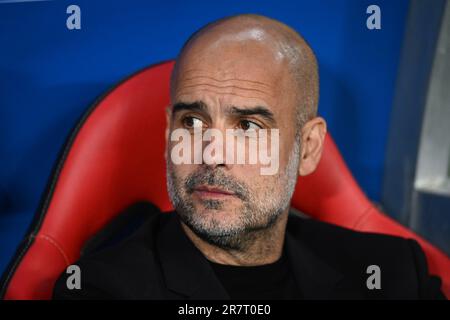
[{"x": 206, "y": 189}]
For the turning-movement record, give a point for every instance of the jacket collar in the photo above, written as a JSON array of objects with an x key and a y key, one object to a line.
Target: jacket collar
[
  {"x": 187, "y": 272},
  {"x": 185, "y": 269}
]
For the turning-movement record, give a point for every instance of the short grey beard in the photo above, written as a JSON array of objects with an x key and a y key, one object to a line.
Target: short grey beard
[{"x": 251, "y": 228}]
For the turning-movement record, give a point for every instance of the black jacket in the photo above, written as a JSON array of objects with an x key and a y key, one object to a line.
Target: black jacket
[{"x": 158, "y": 261}]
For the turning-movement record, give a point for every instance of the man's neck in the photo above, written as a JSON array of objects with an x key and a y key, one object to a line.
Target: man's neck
[{"x": 263, "y": 247}]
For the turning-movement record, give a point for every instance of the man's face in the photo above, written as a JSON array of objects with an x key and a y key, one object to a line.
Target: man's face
[{"x": 232, "y": 86}]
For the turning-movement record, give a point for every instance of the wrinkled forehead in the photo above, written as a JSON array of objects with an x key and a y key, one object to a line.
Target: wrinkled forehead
[
  {"x": 249, "y": 60},
  {"x": 243, "y": 57}
]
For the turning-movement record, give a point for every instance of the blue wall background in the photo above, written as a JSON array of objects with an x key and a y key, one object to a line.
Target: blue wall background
[{"x": 49, "y": 75}]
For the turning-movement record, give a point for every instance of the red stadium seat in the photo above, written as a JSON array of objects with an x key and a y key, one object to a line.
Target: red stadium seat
[{"x": 115, "y": 157}]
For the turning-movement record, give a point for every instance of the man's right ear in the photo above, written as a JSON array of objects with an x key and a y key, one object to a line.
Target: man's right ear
[{"x": 168, "y": 117}]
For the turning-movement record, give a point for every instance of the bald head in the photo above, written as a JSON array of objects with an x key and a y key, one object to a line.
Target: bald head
[
  {"x": 256, "y": 42},
  {"x": 257, "y": 77}
]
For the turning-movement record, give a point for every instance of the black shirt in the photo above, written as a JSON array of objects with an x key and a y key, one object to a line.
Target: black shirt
[{"x": 270, "y": 281}]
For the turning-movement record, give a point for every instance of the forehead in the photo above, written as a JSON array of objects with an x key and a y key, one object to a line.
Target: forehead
[{"x": 236, "y": 73}]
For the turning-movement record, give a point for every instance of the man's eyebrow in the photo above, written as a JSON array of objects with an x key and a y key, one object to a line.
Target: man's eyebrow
[
  {"x": 258, "y": 110},
  {"x": 193, "y": 106}
]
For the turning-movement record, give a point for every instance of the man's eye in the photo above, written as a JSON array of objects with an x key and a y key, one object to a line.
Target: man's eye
[
  {"x": 248, "y": 125},
  {"x": 192, "y": 122}
]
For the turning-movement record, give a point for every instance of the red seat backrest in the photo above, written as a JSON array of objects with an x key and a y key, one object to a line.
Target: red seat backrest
[{"x": 115, "y": 157}]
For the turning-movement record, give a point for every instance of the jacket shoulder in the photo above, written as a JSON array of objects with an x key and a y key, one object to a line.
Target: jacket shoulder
[
  {"x": 319, "y": 234},
  {"x": 401, "y": 261}
]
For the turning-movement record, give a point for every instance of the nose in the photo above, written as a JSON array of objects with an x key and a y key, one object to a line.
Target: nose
[{"x": 214, "y": 148}]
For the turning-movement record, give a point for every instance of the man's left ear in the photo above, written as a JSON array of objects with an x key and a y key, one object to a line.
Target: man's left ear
[{"x": 313, "y": 137}]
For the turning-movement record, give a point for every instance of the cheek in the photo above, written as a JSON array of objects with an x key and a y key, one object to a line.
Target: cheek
[
  {"x": 179, "y": 175},
  {"x": 287, "y": 145},
  {"x": 251, "y": 176}
]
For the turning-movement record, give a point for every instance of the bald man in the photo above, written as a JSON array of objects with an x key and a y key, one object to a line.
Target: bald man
[{"x": 242, "y": 81}]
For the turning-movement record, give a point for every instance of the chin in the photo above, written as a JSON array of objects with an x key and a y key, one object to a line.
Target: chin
[{"x": 223, "y": 218}]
